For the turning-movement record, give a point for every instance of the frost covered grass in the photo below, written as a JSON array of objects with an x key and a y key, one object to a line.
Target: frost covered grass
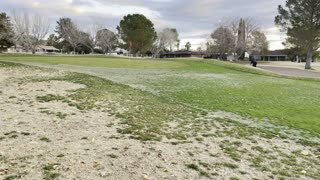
[
  {"x": 93, "y": 61},
  {"x": 207, "y": 84},
  {"x": 201, "y": 141}
]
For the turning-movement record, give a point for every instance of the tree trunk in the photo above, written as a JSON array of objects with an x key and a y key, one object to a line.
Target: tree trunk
[
  {"x": 34, "y": 50},
  {"x": 309, "y": 58}
]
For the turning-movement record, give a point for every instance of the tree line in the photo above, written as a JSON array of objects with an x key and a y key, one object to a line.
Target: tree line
[
  {"x": 235, "y": 37},
  {"x": 135, "y": 33}
]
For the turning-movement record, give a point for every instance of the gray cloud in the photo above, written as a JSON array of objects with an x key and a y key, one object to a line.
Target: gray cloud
[
  {"x": 194, "y": 19},
  {"x": 81, "y": 2}
]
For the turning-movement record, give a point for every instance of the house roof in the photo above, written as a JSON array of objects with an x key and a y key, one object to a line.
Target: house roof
[
  {"x": 199, "y": 53},
  {"x": 273, "y": 53},
  {"x": 48, "y": 48},
  {"x": 183, "y": 52},
  {"x": 277, "y": 53},
  {"x": 178, "y": 52}
]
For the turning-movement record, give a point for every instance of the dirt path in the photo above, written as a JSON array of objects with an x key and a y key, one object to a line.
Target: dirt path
[{"x": 291, "y": 71}]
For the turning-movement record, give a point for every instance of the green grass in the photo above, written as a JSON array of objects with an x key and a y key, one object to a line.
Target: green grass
[
  {"x": 58, "y": 114},
  {"x": 95, "y": 61},
  {"x": 113, "y": 156},
  {"x": 205, "y": 84},
  {"x": 180, "y": 95},
  {"x": 146, "y": 114},
  {"x": 10, "y": 178},
  {"x": 44, "y": 139},
  {"x": 196, "y": 168},
  {"x": 49, "y": 98},
  {"x": 230, "y": 165},
  {"x": 283, "y": 101},
  {"x": 48, "y": 171}
]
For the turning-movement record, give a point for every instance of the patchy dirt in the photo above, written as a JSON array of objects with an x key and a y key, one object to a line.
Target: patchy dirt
[{"x": 52, "y": 140}]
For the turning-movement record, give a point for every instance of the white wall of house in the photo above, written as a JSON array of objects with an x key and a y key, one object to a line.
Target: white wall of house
[
  {"x": 39, "y": 50},
  {"x": 16, "y": 50}
]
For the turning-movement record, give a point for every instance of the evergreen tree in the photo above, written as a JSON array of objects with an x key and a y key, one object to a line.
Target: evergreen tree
[
  {"x": 301, "y": 20},
  {"x": 137, "y": 32},
  {"x": 6, "y": 32}
]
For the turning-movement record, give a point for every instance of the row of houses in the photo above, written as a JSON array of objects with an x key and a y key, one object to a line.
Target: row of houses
[
  {"x": 39, "y": 49},
  {"x": 277, "y": 55},
  {"x": 50, "y": 49}
]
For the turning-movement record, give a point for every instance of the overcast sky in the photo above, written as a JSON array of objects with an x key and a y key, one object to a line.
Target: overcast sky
[{"x": 194, "y": 19}]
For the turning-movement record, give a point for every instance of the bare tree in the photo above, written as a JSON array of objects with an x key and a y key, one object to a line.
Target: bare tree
[
  {"x": 251, "y": 26},
  {"x": 159, "y": 44},
  {"x": 178, "y": 44},
  {"x": 243, "y": 27},
  {"x": 39, "y": 29},
  {"x": 68, "y": 31},
  {"x": 30, "y": 30},
  {"x": 223, "y": 41},
  {"x": 170, "y": 38},
  {"x": 188, "y": 46},
  {"x": 92, "y": 30},
  {"x": 73, "y": 36},
  {"x": 106, "y": 40},
  {"x": 258, "y": 43},
  {"x": 21, "y": 27},
  {"x": 211, "y": 48}
]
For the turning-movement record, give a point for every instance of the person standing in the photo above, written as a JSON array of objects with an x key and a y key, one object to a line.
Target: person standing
[{"x": 253, "y": 61}]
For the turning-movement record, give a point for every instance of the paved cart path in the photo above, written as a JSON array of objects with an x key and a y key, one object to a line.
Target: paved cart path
[{"x": 291, "y": 71}]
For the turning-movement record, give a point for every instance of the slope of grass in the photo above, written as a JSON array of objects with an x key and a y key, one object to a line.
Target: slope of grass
[
  {"x": 95, "y": 61},
  {"x": 213, "y": 85},
  {"x": 146, "y": 117},
  {"x": 287, "y": 102}
]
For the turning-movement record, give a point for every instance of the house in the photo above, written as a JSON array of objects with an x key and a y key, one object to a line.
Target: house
[
  {"x": 39, "y": 49},
  {"x": 198, "y": 54},
  {"x": 119, "y": 51},
  {"x": 276, "y": 55},
  {"x": 47, "y": 49},
  {"x": 16, "y": 49},
  {"x": 176, "y": 54}
]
